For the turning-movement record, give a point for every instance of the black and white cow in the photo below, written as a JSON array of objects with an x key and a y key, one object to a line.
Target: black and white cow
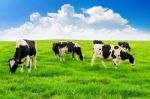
[
  {"x": 98, "y": 42},
  {"x": 111, "y": 52},
  {"x": 124, "y": 45},
  {"x": 60, "y": 48},
  {"x": 25, "y": 50}
]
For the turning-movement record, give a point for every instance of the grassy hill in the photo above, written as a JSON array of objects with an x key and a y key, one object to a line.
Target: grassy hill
[{"x": 75, "y": 79}]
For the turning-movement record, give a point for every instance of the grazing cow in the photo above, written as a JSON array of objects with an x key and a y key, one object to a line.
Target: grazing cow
[
  {"x": 124, "y": 45},
  {"x": 111, "y": 52},
  {"x": 97, "y": 42},
  {"x": 60, "y": 48},
  {"x": 25, "y": 50}
]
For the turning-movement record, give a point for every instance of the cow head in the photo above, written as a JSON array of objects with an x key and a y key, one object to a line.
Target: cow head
[
  {"x": 13, "y": 64},
  {"x": 131, "y": 59},
  {"x": 78, "y": 51},
  {"x": 126, "y": 55},
  {"x": 55, "y": 49}
]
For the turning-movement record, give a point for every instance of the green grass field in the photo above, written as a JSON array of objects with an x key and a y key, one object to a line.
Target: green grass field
[{"x": 75, "y": 79}]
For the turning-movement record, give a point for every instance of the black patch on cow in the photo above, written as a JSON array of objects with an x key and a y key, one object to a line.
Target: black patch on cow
[
  {"x": 21, "y": 52},
  {"x": 97, "y": 42},
  {"x": 32, "y": 49},
  {"x": 106, "y": 50},
  {"x": 125, "y": 45},
  {"x": 113, "y": 54},
  {"x": 62, "y": 44},
  {"x": 120, "y": 43},
  {"x": 55, "y": 49},
  {"x": 116, "y": 47},
  {"x": 131, "y": 59},
  {"x": 125, "y": 55},
  {"x": 78, "y": 51},
  {"x": 70, "y": 46}
]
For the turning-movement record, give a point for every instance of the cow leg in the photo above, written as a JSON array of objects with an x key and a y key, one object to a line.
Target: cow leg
[
  {"x": 60, "y": 55},
  {"x": 22, "y": 67},
  {"x": 56, "y": 55},
  {"x": 29, "y": 63},
  {"x": 63, "y": 54},
  {"x": 34, "y": 61},
  {"x": 73, "y": 55},
  {"x": 116, "y": 62},
  {"x": 93, "y": 59},
  {"x": 103, "y": 63},
  {"x": 62, "y": 58},
  {"x": 77, "y": 57}
]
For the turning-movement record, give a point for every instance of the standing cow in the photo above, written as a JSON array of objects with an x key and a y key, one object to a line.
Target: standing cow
[
  {"x": 60, "y": 48},
  {"x": 25, "y": 50},
  {"x": 124, "y": 45},
  {"x": 111, "y": 52}
]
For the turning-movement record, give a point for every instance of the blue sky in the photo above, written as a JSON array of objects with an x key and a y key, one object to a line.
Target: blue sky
[
  {"x": 13, "y": 13},
  {"x": 75, "y": 19}
]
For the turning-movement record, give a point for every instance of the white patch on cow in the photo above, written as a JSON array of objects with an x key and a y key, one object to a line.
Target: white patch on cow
[
  {"x": 62, "y": 52},
  {"x": 98, "y": 50},
  {"x": 12, "y": 62},
  {"x": 77, "y": 45},
  {"x": 21, "y": 42},
  {"x": 117, "y": 52}
]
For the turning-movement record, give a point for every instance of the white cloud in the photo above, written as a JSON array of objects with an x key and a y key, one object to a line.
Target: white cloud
[
  {"x": 35, "y": 17},
  {"x": 93, "y": 23}
]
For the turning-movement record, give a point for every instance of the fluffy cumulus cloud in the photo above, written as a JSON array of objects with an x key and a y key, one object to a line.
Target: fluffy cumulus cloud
[{"x": 93, "y": 23}]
